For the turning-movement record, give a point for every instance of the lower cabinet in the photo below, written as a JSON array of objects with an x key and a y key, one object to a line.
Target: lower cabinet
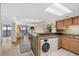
[
  {"x": 74, "y": 45},
  {"x": 71, "y": 44},
  {"x": 64, "y": 43}
]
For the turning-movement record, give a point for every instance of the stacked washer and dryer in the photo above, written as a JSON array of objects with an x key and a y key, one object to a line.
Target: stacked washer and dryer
[{"x": 48, "y": 45}]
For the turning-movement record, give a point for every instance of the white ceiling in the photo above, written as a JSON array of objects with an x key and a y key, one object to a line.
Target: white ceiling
[{"x": 35, "y": 10}]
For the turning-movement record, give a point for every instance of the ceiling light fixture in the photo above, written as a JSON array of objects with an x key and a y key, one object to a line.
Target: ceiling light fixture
[
  {"x": 32, "y": 20},
  {"x": 58, "y": 9}
]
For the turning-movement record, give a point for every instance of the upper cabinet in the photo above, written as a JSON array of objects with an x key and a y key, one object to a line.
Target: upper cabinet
[
  {"x": 59, "y": 24},
  {"x": 76, "y": 20},
  {"x": 67, "y": 22}
]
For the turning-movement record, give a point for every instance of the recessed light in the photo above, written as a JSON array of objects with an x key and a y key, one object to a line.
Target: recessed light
[{"x": 58, "y": 9}]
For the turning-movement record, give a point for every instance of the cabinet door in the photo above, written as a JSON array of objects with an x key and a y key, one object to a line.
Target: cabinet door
[
  {"x": 77, "y": 46},
  {"x": 67, "y": 22},
  {"x": 74, "y": 45},
  {"x": 65, "y": 42},
  {"x": 60, "y": 24},
  {"x": 59, "y": 42},
  {"x": 76, "y": 21}
]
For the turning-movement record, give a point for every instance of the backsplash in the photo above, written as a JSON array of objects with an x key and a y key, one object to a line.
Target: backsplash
[{"x": 72, "y": 30}]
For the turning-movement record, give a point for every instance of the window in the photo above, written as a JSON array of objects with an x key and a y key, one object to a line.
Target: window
[
  {"x": 6, "y": 31},
  {"x": 24, "y": 30}
]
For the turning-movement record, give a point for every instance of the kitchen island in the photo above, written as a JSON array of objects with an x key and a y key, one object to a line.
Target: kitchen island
[{"x": 36, "y": 41}]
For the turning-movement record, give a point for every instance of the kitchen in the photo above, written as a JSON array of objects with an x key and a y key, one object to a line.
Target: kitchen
[{"x": 39, "y": 29}]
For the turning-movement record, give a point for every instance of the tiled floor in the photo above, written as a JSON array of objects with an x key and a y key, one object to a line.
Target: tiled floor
[
  {"x": 62, "y": 52},
  {"x": 15, "y": 51},
  {"x": 8, "y": 49}
]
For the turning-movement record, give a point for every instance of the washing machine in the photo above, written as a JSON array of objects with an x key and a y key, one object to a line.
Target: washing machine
[{"x": 48, "y": 46}]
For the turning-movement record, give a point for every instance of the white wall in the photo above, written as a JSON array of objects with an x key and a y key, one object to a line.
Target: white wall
[
  {"x": 0, "y": 32},
  {"x": 42, "y": 26},
  {"x": 0, "y": 40},
  {"x": 5, "y": 21}
]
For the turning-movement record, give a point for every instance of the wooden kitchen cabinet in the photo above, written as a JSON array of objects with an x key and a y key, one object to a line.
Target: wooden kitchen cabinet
[
  {"x": 59, "y": 42},
  {"x": 67, "y": 22},
  {"x": 71, "y": 44},
  {"x": 74, "y": 45},
  {"x": 76, "y": 20},
  {"x": 77, "y": 47},
  {"x": 64, "y": 43},
  {"x": 59, "y": 25}
]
